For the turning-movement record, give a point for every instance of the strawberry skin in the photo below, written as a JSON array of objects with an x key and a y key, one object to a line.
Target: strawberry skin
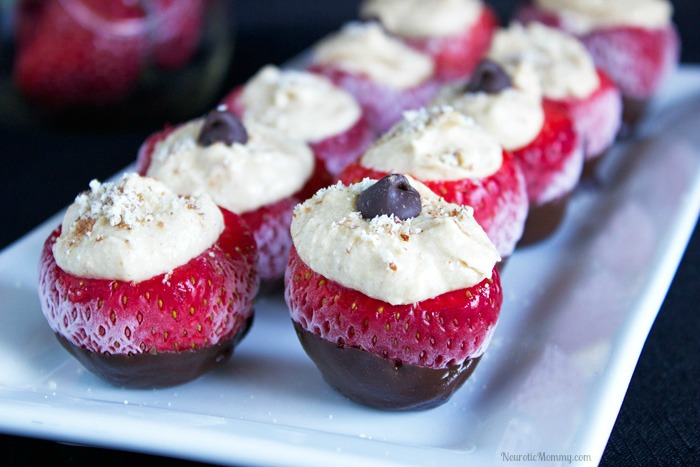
[
  {"x": 382, "y": 106},
  {"x": 145, "y": 152},
  {"x": 435, "y": 333},
  {"x": 457, "y": 56},
  {"x": 598, "y": 117},
  {"x": 500, "y": 201},
  {"x": 553, "y": 161},
  {"x": 270, "y": 226},
  {"x": 340, "y": 150},
  {"x": 637, "y": 59},
  {"x": 79, "y": 53},
  {"x": 196, "y": 305}
]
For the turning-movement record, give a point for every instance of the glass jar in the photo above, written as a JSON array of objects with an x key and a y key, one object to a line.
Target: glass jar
[{"x": 107, "y": 63}]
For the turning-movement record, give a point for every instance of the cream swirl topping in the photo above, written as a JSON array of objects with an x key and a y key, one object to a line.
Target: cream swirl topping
[
  {"x": 584, "y": 16},
  {"x": 301, "y": 104},
  {"x": 240, "y": 177},
  {"x": 365, "y": 49},
  {"x": 400, "y": 262},
  {"x": 133, "y": 229},
  {"x": 563, "y": 65},
  {"x": 438, "y": 143},
  {"x": 423, "y": 18},
  {"x": 514, "y": 116}
]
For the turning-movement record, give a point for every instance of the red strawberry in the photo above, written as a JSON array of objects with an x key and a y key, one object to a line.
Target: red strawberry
[
  {"x": 457, "y": 56},
  {"x": 381, "y": 105},
  {"x": 270, "y": 226},
  {"x": 598, "y": 117},
  {"x": 434, "y": 333},
  {"x": 400, "y": 347},
  {"x": 338, "y": 151},
  {"x": 553, "y": 161},
  {"x": 205, "y": 302},
  {"x": 500, "y": 201},
  {"x": 145, "y": 152},
  {"x": 334, "y": 152},
  {"x": 638, "y": 60},
  {"x": 79, "y": 53},
  {"x": 178, "y": 26},
  {"x": 232, "y": 101},
  {"x": 269, "y": 223},
  {"x": 320, "y": 178}
]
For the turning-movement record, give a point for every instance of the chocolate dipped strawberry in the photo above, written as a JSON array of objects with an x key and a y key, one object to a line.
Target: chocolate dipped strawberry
[
  {"x": 458, "y": 160},
  {"x": 455, "y": 33},
  {"x": 385, "y": 75},
  {"x": 567, "y": 76},
  {"x": 539, "y": 134},
  {"x": 308, "y": 107},
  {"x": 240, "y": 165},
  {"x": 393, "y": 292},
  {"x": 635, "y": 42},
  {"x": 146, "y": 288}
]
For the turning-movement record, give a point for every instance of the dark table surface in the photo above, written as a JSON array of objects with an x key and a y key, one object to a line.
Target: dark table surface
[{"x": 44, "y": 168}]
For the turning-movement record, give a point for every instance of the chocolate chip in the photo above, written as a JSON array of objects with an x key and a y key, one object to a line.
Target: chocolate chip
[
  {"x": 222, "y": 126},
  {"x": 488, "y": 77},
  {"x": 392, "y": 194}
]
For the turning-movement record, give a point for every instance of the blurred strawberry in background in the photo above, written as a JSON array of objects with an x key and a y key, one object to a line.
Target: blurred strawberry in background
[
  {"x": 90, "y": 54},
  {"x": 74, "y": 52}
]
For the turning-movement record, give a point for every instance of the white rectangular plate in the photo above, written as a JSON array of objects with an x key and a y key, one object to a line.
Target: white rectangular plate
[{"x": 577, "y": 311}]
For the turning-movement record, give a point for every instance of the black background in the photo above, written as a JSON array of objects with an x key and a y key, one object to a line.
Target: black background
[{"x": 44, "y": 168}]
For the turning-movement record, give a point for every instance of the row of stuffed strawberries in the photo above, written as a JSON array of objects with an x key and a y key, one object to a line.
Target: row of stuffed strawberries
[{"x": 386, "y": 182}]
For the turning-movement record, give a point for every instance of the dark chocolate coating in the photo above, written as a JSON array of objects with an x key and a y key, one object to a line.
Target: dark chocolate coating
[
  {"x": 589, "y": 174},
  {"x": 633, "y": 112},
  {"x": 155, "y": 370},
  {"x": 222, "y": 126},
  {"x": 488, "y": 77},
  {"x": 543, "y": 220},
  {"x": 392, "y": 194},
  {"x": 379, "y": 382}
]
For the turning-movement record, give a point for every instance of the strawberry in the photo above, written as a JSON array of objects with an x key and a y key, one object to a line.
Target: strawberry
[
  {"x": 145, "y": 152},
  {"x": 435, "y": 333},
  {"x": 500, "y": 201},
  {"x": 79, "y": 53},
  {"x": 178, "y": 28},
  {"x": 598, "y": 117},
  {"x": 338, "y": 151},
  {"x": 332, "y": 153},
  {"x": 203, "y": 303},
  {"x": 457, "y": 56},
  {"x": 383, "y": 106},
  {"x": 553, "y": 161},
  {"x": 270, "y": 226},
  {"x": 320, "y": 178},
  {"x": 552, "y": 165},
  {"x": 269, "y": 223},
  {"x": 638, "y": 60}
]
